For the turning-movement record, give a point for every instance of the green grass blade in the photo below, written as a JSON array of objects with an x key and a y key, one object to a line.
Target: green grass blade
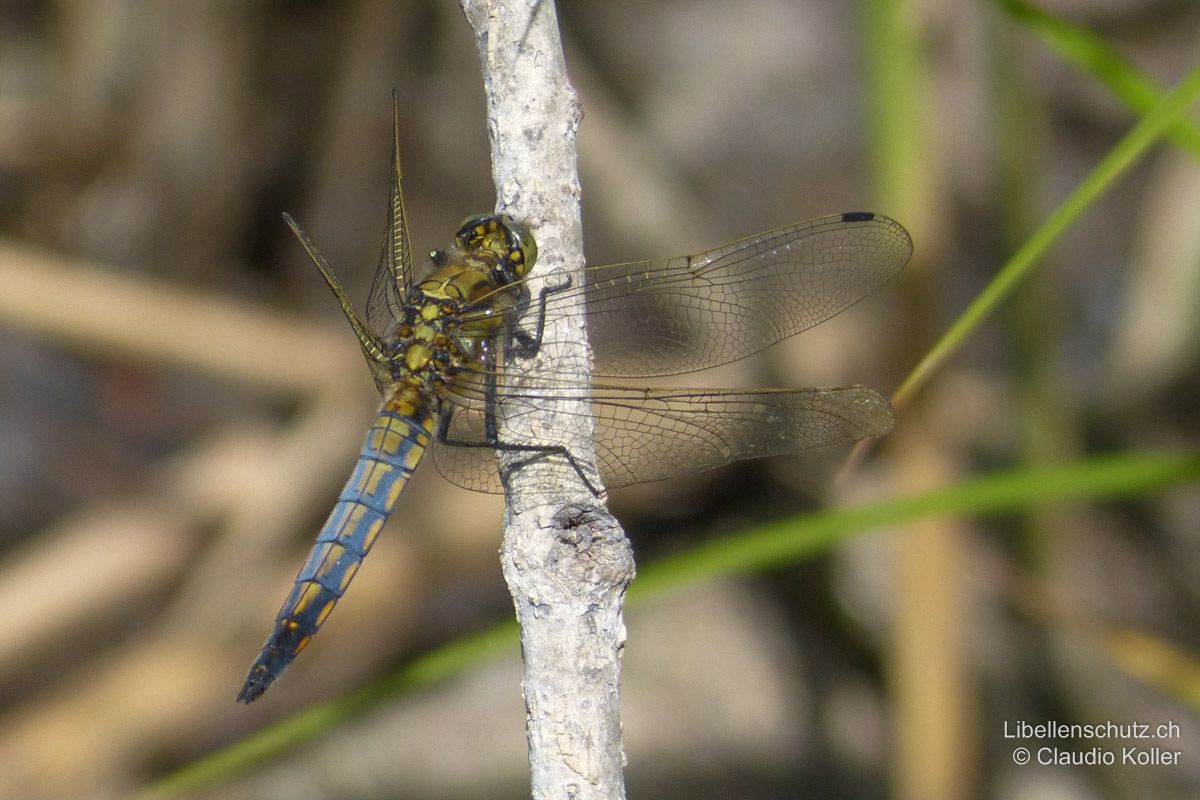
[
  {"x": 768, "y": 547},
  {"x": 791, "y": 540},
  {"x": 897, "y": 109},
  {"x": 1111, "y": 167},
  {"x": 435, "y": 667},
  {"x": 1096, "y": 57}
]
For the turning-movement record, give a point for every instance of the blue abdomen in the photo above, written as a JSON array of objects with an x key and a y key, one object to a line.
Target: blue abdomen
[{"x": 393, "y": 447}]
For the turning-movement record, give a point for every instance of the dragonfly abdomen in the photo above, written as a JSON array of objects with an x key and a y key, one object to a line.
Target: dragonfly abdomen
[{"x": 393, "y": 447}]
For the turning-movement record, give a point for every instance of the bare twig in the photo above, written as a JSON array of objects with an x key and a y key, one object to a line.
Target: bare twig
[{"x": 566, "y": 561}]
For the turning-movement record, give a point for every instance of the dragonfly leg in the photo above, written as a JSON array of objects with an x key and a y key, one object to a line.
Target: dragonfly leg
[
  {"x": 491, "y": 437},
  {"x": 525, "y": 344}
]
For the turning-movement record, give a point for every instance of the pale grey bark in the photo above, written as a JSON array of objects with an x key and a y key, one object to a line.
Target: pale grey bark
[{"x": 566, "y": 561}]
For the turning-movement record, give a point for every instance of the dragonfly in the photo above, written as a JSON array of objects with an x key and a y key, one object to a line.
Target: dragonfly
[{"x": 437, "y": 346}]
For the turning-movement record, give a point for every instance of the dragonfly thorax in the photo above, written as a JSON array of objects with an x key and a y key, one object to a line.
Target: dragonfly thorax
[
  {"x": 422, "y": 347},
  {"x": 475, "y": 284}
]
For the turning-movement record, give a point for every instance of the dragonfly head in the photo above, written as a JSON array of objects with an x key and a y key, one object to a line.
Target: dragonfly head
[{"x": 500, "y": 240}]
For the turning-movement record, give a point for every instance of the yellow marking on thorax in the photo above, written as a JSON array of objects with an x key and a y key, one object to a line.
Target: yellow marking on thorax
[
  {"x": 417, "y": 356},
  {"x": 457, "y": 281}
]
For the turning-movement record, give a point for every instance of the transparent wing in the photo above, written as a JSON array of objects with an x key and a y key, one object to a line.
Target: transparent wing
[
  {"x": 393, "y": 277},
  {"x": 654, "y": 434},
  {"x": 676, "y": 315}
]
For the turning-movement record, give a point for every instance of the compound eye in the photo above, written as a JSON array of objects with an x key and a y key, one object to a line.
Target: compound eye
[
  {"x": 476, "y": 231},
  {"x": 522, "y": 248},
  {"x": 501, "y": 239}
]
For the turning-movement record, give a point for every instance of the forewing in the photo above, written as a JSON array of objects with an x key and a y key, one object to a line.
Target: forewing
[
  {"x": 676, "y": 315},
  {"x": 393, "y": 277}
]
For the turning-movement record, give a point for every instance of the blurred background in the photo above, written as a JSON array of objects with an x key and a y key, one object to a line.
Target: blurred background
[{"x": 180, "y": 399}]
